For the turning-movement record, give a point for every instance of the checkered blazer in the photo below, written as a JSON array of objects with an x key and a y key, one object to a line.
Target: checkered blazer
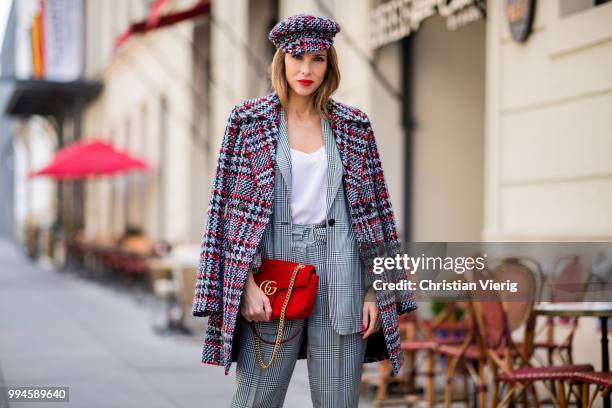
[{"x": 241, "y": 207}]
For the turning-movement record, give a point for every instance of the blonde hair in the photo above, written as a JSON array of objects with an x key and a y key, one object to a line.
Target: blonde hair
[{"x": 330, "y": 83}]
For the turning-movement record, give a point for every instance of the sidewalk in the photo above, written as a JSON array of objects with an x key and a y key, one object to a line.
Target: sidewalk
[{"x": 57, "y": 329}]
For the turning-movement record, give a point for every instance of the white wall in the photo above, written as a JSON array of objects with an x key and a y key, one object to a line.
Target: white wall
[{"x": 549, "y": 146}]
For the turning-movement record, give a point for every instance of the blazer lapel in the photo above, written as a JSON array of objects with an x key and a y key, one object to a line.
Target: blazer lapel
[
  {"x": 283, "y": 154},
  {"x": 334, "y": 163}
]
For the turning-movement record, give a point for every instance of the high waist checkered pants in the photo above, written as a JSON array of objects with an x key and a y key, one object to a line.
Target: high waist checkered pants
[{"x": 334, "y": 361}]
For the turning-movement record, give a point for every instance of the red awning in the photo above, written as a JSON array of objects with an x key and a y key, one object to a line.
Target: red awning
[
  {"x": 155, "y": 21},
  {"x": 87, "y": 158}
]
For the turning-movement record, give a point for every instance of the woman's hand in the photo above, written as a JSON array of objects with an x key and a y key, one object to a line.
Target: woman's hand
[
  {"x": 371, "y": 321},
  {"x": 255, "y": 305}
]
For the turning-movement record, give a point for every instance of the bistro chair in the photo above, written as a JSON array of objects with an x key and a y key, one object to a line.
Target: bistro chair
[
  {"x": 601, "y": 380},
  {"x": 567, "y": 286},
  {"x": 382, "y": 379},
  {"x": 527, "y": 273},
  {"x": 469, "y": 355},
  {"x": 509, "y": 363},
  {"x": 422, "y": 340},
  {"x": 491, "y": 343}
]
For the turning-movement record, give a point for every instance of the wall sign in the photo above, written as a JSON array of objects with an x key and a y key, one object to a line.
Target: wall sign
[
  {"x": 396, "y": 19},
  {"x": 520, "y": 15}
]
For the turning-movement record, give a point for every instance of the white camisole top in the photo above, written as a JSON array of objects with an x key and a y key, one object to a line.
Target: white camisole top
[{"x": 308, "y": 186}]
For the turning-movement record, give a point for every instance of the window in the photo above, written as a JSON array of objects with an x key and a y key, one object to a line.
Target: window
[
  {"x": 581, "y": 23},
  {"x": 568, "y": 7}
]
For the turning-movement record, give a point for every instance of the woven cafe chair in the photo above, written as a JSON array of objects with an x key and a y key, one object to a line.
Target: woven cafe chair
[
  {"x": 469, "y": 355},
  {"x": 511, "y": 368},
  {"x": 527, "y": 274},
  {"x": 422, "y": 339},
  {"x": 509, "y": 363},
  {"x": 491, "y": 344},
  {"x": 382, "y": 379},
  {"x": 567, "y": 286},
  {"x": 601, "y": 380}
]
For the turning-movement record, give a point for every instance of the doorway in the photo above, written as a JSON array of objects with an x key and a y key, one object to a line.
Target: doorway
[{"x": 446, "y": 93}]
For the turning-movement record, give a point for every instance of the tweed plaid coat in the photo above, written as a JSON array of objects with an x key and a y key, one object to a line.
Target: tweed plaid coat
[{"x": 241, "y": 206}]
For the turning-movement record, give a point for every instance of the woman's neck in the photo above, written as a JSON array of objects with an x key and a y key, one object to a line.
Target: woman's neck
[{"x": 300, "y": 106}]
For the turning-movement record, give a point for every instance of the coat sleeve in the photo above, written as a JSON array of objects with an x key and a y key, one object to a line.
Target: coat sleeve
[
  {"x": 373, "y": 166},
  {"x": 256, "y": 263},
  {"x": 208, "y": 296}
]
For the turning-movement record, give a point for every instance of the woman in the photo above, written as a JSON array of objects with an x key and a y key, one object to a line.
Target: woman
[{"x": 299, "y": 178}]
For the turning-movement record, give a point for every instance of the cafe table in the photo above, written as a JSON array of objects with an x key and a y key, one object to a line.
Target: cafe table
[
  {"x": 175, "y": 276},
  {"x": 601, "y": 310}
]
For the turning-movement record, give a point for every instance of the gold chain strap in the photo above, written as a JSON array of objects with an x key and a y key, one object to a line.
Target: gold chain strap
[{"x": 281, "y": 326}]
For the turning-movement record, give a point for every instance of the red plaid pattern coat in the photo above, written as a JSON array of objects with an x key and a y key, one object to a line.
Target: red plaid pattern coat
[{"x": 241, "y": 206}]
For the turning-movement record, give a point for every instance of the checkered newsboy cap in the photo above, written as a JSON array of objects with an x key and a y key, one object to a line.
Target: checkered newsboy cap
[{"x": 304, "y": 33}]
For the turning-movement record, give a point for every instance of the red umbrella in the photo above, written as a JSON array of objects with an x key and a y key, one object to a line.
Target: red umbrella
[{"x": 85, "y": 158}]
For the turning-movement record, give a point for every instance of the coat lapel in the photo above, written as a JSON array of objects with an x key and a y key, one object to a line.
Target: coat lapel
[
  {"x": 260, "y": 126},
  {"x": 350, "y": 144}
]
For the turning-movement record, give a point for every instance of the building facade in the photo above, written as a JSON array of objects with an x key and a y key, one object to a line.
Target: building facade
[
  {"x": 155, "y": 105},
  {"x": 42, "y": 93},
  {"x": 482, "y": 137}
]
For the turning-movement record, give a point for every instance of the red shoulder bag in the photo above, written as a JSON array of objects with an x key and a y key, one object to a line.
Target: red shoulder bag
[{"x": 291, "y": 288}]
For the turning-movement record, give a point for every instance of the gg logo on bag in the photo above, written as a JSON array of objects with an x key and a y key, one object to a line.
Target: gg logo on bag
[{"x": 268, "y": 287}]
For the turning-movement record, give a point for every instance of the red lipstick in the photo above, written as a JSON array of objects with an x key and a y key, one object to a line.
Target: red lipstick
[{"x": 305, "y": 82}]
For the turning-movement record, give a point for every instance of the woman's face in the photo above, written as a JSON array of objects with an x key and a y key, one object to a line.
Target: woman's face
[{"x": 305, "y": 72}]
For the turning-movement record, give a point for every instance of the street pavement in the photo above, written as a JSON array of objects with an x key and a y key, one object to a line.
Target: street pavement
[{"x": 59, "y": 329}]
